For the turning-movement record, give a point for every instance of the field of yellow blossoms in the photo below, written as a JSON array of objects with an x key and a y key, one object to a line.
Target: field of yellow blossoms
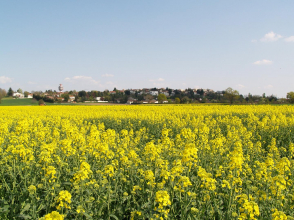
[{"x": 147, "y": 162}]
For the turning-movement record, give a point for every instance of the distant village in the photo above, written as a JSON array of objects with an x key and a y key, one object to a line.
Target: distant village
[{"x": 143, "y": 96}]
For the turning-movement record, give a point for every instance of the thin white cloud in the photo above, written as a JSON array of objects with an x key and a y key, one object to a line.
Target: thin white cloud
[
  {"x": 268, "y": 86},
  {"x": 31, "y": 83},
  {"x": 240, "y": 86},
  {"x": 107, "y": 75},
  {"x": 271, "y": 37},
  {"x": 263, "y": 62},
  {"x": 82, "y": 79},
  {"x": 5, "y": 79},
  {"x": 157, "y": 80},
  {"x": 289, "y": 39},
  {"x": 253, "y": 41}
]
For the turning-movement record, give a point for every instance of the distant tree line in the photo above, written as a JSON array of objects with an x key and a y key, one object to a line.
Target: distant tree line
[
  {"x": 229, "y": 95},
  {"x": 189, "y": 95}
]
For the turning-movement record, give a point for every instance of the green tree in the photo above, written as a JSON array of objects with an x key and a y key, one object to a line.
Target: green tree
[
  {"x": 107, "y": 98},
  {"x": 161, "y": 97},
  {"x": 65, "y": 96},
  {"x": 82, "y": 93},
  {"x": 200, "y": 92},
  {"x": 185, "y": 100},
  {"x": 19, "y": 90},
  {"x": 290, "y": 97},
  {"x": 127, "y": 92},
  {"x": 2, "y": 93},
  {"x": 231, "y": 95},
  {"x": 26, "y": 93},
  {"x": 204, "y": 100},
  {"x": 10, "y": 92},
  {"x": 41, "y": 102},
  {"x": 177, "y": 100}
]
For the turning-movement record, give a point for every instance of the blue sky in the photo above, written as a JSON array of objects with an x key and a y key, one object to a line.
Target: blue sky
[{"x": 97, "y": 45}]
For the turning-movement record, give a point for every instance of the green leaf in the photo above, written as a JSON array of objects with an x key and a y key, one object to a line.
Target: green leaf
[
  {"x": 67, "y": 183},
  {"x": 40, "y": 208},
  {"x": 27, "y": 207},
  {"x": 87, "y": 215},
  {"x": 145, "y": 205},
  {"x": 113, "y": 216},
  {"x": 5, "y": 208},
  {"x": 25, "y": 216}
]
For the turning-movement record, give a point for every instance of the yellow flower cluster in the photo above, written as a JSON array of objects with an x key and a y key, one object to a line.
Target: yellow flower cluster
[
  {"x": 279, "y": 215},
  {"x": 83, "y": 173},
  {"x": 249, "y": 210},
  {"x": 53, "y": 216},
  {"x": 163, "y": 200},
  {"x": 64, "y": 199},
  {"x": 32, "y": 189}
]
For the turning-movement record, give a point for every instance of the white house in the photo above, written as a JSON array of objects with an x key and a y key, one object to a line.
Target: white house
[
  {"x": 18, "y": 95},
  {"x": 153, "y": 92},
  {"x": 153, "y": 101},
  {"x": 71, "y": 98},
  {"x": 166, "y": 93},
  {"x": 30, "y": 96},
  {"x": 100, "y": 99},
  {"x": 131, "y": 100}
]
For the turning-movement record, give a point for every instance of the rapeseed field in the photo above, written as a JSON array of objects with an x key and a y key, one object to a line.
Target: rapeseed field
[{"x": 147, "y": 162}]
